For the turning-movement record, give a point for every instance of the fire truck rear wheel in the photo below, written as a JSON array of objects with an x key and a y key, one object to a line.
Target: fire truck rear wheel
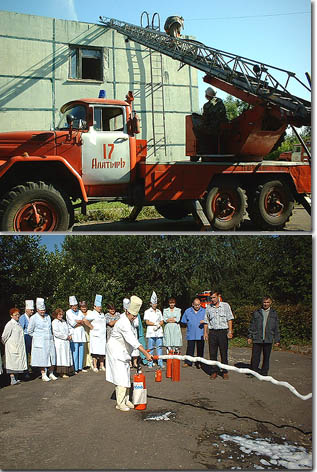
[
  {"x": 173, "y": 211},
  {"x": 272, "y": 205},
  {"x": 34, "y": 206},
  {"x": 226, "y": 207}
]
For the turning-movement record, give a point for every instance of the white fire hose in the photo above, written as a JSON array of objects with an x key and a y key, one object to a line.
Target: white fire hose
[{"x": 266, "y": 378}]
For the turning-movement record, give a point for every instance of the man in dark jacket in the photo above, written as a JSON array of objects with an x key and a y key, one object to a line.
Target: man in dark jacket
[{"x": 264, "y": 328}]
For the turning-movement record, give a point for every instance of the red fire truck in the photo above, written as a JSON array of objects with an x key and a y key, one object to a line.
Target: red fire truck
[{"x": 94, "y": 154}]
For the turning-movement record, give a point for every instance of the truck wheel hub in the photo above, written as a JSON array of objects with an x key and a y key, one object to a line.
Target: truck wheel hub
[{"x": 36, "y": 216}]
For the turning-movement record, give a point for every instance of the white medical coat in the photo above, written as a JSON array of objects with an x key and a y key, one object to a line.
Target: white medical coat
[
  {"x": 43, "y": 348},
  {"x": 78, "y": 334},
  {"x": 155, "y": 316},
  {"x": 62, "y": 344},
  {"x": 98, "y": 335},
  {"x": 13, "y": 339},
  {"x": 119, "y": 348}
]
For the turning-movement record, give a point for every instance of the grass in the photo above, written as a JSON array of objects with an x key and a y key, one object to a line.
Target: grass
[
  {"x": 285, "y": 344},
  {"x": 113, "y": 211}
]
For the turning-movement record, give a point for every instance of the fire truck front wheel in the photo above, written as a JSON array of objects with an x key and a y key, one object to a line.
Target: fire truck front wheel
[
  {"x": 226, "y": 207},
  {"x": 272, "y": 205},
  {"x": 34, "y": 206}
]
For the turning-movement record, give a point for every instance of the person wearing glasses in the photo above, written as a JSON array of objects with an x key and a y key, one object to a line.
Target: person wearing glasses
[{"x": 193, "y": 318}]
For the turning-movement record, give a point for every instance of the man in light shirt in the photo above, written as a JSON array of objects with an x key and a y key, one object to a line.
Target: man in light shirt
[{"x": 217, "y": 330}]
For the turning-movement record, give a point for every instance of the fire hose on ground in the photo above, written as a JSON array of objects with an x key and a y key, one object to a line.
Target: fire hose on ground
[{"x": 243, "y": 370}]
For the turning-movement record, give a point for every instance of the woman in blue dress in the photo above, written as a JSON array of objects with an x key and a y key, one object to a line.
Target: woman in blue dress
[
  {"x": 43, "y": 353},
  {"x": 172, "y": 332}
]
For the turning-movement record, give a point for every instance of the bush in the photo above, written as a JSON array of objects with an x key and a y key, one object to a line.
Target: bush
[{"x": 295, "y": 322}]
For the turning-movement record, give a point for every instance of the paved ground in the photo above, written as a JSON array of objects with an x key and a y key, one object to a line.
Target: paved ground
[
  {"x": 73, "y": 424},
  {"x": 300, "y": 221}
]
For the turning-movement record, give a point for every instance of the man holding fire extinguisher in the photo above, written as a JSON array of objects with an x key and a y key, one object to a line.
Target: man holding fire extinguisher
[{"x": 120, "y": 345}]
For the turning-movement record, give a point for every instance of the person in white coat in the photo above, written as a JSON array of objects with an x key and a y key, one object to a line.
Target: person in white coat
[
  {"x": 62, "y": 338},
  {"x": 74, "y": 319},
  {"x": 154, "y": 332},
  {"x": 13, "y": 340},
  {"x": 43, "y": 353},
  {"x": 96, "y": 321},
  {"x": 87, "y": 356},
  {"x": 119, "y": 348}
]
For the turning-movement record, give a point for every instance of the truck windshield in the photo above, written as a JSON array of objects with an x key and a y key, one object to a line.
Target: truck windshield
[{"x": 79, "y": 118}]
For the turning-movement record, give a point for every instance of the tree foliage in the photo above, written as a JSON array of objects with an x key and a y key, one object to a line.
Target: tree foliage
[
  {"x": 242, "y": 268},
  {"x": 234, "y": 107}
]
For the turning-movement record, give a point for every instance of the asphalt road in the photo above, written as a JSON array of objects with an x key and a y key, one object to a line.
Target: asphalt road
[
  {"x": 300, "y": 221},
  {"x": 73, "y": 424}
]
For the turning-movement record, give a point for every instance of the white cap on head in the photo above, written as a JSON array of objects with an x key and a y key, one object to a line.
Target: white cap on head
[
  {"x": 29, "y": 304},
  {"x": 126, "y": 303},
  {"x": 40, "y": 305},
  {"x": 210, "y": 92},
  {"x": 135, "y": 305},
  {"x": 98, "y": 300},
  {"x": 154, "y": 298},
  {"x": 73, "y": 300}
]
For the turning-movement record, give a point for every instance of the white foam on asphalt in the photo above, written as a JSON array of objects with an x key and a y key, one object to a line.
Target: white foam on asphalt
[{"x": 285, "y": 455}]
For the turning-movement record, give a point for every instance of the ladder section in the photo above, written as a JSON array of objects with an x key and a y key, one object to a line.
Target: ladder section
[
  {"x": 156, "y": 90},
  {"x": 158, "y": 106},
  {"x": 242, "y": 73}
]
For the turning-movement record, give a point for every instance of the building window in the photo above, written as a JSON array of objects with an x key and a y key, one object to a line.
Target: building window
[{"x": 86, "y": 63}]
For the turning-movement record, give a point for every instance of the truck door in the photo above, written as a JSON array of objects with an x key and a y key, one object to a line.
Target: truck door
[{"x": 106, "y": 152}]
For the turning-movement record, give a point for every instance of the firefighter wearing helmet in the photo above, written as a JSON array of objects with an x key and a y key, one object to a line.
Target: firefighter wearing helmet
[
  {"x": 207, "y": 125},
  {"x": 174, "y": 25},
  {"x": 214, "y": 112}
]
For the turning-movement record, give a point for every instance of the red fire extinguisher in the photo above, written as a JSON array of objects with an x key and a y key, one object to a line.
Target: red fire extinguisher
[
  {"x": 158, "y": 375},
  {"x": 169, "y": 365},
  {"x": 176, "y": 369},
  {"x": 139, "y": 396}
]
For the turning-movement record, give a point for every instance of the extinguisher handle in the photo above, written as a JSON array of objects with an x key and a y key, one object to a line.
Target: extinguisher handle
[{"x": 155, "y": 358}]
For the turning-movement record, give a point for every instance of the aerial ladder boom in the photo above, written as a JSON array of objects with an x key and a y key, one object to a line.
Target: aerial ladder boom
[{"x": 246, "y": 79}]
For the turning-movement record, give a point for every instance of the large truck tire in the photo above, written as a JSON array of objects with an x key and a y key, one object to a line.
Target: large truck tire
[
  {"x": 272, "y": 205},
  {"x": 34, "y": 206},
  {"x": 225, "y": 206},
  {"x": 173, "y": 210}
]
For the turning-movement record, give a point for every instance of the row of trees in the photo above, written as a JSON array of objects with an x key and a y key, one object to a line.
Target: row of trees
[{"x": 243, "y": 268}]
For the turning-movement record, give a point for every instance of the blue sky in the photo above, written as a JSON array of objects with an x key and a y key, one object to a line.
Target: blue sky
[
  {"x": 274, "y": 32},
  {"x": 51, "y": 241}
]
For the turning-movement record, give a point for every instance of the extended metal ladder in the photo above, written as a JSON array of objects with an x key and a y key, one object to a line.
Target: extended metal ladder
[
  {"x": 244, "y": 74},
  {"x": 156, "y": 87}
]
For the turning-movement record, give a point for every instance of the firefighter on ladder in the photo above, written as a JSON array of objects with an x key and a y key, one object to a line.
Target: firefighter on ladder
[
  {"x": 173, "y": 26},
  {"x": 119, "y": 348}
]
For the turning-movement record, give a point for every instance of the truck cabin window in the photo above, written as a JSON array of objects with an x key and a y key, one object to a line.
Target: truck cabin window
[
  {"x": 108, "y": 119},
  {"x": 75, "y": 114}
]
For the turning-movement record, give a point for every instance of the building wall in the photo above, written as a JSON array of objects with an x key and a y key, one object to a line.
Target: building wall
[{"x": 35, "y": 83}]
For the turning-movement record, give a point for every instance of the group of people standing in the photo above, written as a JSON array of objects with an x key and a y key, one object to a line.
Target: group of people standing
[{"x": 113, "y": 342}]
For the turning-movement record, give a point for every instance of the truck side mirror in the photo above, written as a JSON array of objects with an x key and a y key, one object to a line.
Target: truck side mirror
[
  {"x": 136, "y": 129},
  {"x": 70, "y": 120}
]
